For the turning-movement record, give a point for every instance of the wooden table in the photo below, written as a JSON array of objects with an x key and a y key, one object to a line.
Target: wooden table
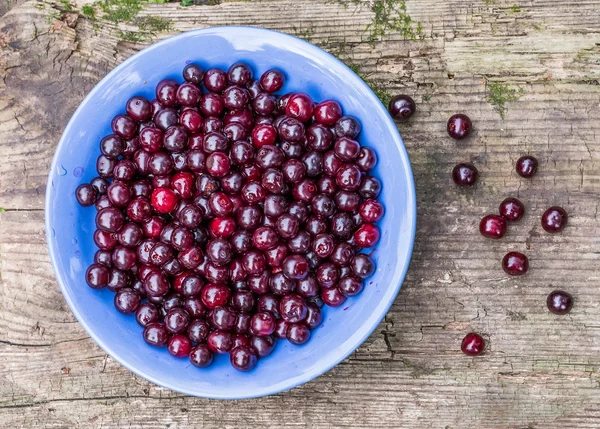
[{"x": 539, "y": 370}]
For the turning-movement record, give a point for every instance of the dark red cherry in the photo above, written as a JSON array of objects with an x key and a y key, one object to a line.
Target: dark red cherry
[
  {"x": 295, "y": 267},
  {"x": 515, "y": 263},
  {"x": 156, "y": 334},
  {"x": 350, "y": 285},
  {"x": 348, "y": 177},
  {"x": 86, "y": 195},
  {"x": 459, "y": 126},
  {"x": 215, "y": 80},
  {"x": 164, "y": 200},
  {"x": 239, "y": 74},
  {"x": 402, "y": 107},
  {"x": 559, "y": 302},
  {"x": 512, "y": 209},
  {"x": 166, "y": 92},
  {"x": 465, "y": 174},
  {"x": 201, "y": 356},
  {"x": 527, "y": 166},
  {"x": 298, "y": 333},
  {"x": 290, "y": 130},
  {"x": 300, "y": 106},
  {"x": 328, "y": 112},
  {"x": 214, "y": 295},
  {"x": 193, "y": 73},
  {"x": 367, "y": 235},
  {"x": 191, "y": 120},
  {"x": 243, "y": 358},
  {"x": 554, "y": 219},
  {"x": 272, "y": 80},
  {"x": 347, "y": 126},
  {"x": 139, "y": 108},
  {"x": 188, "y": 94},
  {"x": 472, "y": 344},
  {"x": 492, "y": 226},
  {"x": 124, "y": 126}
]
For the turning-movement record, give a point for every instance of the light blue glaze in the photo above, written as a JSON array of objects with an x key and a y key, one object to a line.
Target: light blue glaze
[{"x": 308, "y": 69}]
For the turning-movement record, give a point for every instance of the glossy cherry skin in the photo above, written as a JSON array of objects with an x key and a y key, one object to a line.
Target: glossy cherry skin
[
  {"x": 512, "y": 209},
  {"x": 198, "y": 330},
  {"x": 492, "y": 226},
  {"x": 263, "y": 135},
  {"x": 515, "y": 263},
  {"x": 459, "y": 126},
  {"x": 179, "y": 346},
  {"x": 347, "y": 126},
  {"x": 146, "y": 313},
  {"x": 348, "y": 177},
  {"x": 262, "y": 323},
  {"x": 86, "y": 195},
  {"x": 554, "y": 219},
  {"x": 472, "y": 344},
  {"x": 105, "y": 166},
  {"x": 239, "y": 74},
  {"x": 201, "y": 356},
  {"x": 215, "y": 80},
  {"x": 402, "y": 107},
  {"x": 328, "y": 112},
  {"x": 177, "y": 320},
  {"x": 527, "y": 166},
  {"x": 332, "y": 297},
  {"x": 97, "y": 276},
  {"x": 292, "y": 308},
  {"x": 367, "y": 235},
  {"x": 298, "y": 333},
  {"x": 156, "y": 334},
  {"x": 243, "y": 358},
  {"x": 215, "y": 295},
  {"x": 295, "y": 267},
  {"x": 272, "y": 80},
  {"x": 300, "y": 106},
  {"x": 371, "y": 211},
  {"x": 559, "y": 302},
  {"x": 362, "y": 266},
  {"x": 112, "y": 146},
  {"x": 166, "y": 92},
  {"x": 193, "y": 73},
  {"x": 124, "y": 126},
  {"x": 188, "y": 94},
  {"x": 290, "y": 129},
  {"x": 465, "y": 174},
  {"x": 164, "y": 200}
]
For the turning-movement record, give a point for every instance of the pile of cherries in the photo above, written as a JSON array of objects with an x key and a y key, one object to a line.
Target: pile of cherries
[
  {"x": 228, "y": 215},
  {"x": 494, "y": 226}
]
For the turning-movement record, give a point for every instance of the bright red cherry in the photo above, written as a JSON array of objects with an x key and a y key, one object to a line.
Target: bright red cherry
[
  {"x": 300, "y": 106},
  {"x": 367, "y": 235},
  {"x": 164, "y": 200}
]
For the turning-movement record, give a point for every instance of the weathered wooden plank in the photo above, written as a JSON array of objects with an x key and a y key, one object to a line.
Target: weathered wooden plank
[{"x": 540, "y": 371}]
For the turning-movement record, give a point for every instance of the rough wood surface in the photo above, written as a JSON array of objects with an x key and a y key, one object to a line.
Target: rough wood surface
[{"x": 539, "y": 371}]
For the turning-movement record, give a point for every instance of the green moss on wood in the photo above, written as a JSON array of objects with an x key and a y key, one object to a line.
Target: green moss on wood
[{"x": 499, "y": 94}]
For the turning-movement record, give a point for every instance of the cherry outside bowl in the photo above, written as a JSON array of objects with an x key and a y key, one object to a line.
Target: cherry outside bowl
[{"x": 69, "y": 227}]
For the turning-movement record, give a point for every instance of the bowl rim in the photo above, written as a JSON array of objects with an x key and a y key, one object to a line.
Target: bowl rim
[{"x": 410, "y": 196}]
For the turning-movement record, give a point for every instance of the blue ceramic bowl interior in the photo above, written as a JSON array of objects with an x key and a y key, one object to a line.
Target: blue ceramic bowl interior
[{"x": 69, "y": 227}]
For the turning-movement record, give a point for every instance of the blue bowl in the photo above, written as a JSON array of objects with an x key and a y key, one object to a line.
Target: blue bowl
[{"x": 69, "y": 227}]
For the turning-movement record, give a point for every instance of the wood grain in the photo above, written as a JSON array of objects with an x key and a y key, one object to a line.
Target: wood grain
[{"x": 539, "y": 371}]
